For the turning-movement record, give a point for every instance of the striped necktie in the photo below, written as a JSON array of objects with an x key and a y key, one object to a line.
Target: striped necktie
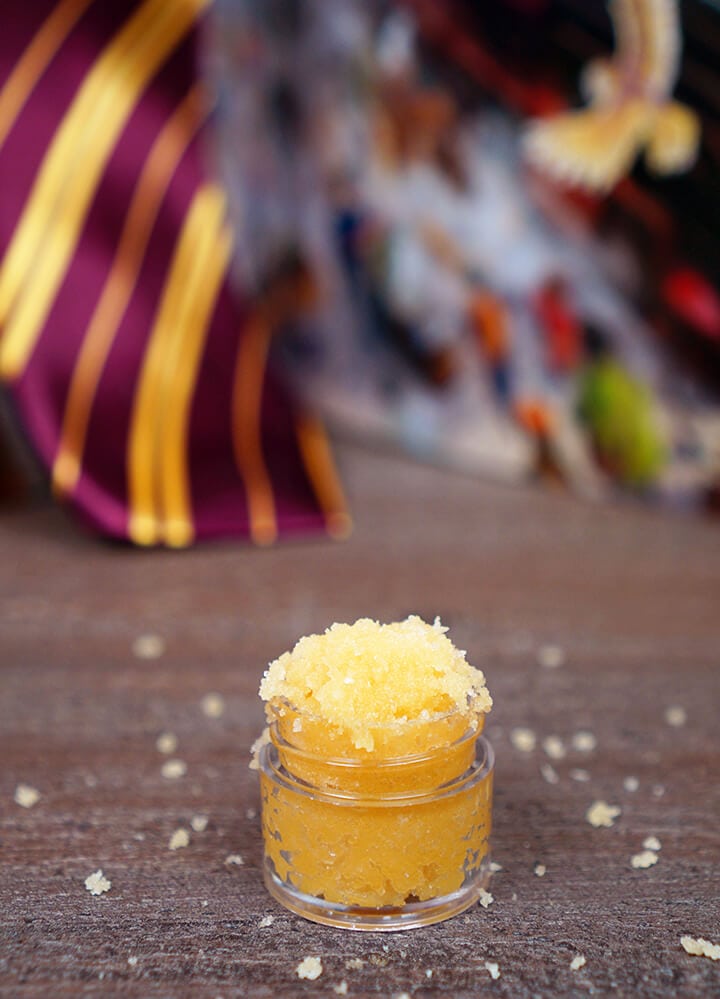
[{"x": 137, "y": 370}]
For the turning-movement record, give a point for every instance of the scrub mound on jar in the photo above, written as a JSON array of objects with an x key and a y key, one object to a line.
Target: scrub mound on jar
[
  {"x": 376, "y": 689},
  {"x": 374, "y": 796}
]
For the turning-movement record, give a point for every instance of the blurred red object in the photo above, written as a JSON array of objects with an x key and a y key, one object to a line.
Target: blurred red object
[{"x": 694, "y": 300}]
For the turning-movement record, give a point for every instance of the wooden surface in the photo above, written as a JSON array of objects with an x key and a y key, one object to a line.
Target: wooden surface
[{"x": 630, "y": 595}]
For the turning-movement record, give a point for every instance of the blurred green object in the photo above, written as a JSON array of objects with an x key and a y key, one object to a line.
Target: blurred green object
[{"x": 620, "y": 414}]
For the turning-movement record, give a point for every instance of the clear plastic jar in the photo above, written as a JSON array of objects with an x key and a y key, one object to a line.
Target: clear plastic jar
[{"x": 376, "y": 844}]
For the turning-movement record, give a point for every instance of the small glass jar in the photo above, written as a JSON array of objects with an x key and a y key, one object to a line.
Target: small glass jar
[{"x": 376, "y": 844}]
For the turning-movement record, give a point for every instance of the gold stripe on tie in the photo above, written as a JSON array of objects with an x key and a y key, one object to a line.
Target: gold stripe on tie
[
  {"x": 159, "y": 168},
  {"x": 35, "y": 60},
  {"x": 197, "y": 235},
  {"x": 177, "y": 506},
  {"x": 45, "y": 242},
  {"x": 320, "y": 468},
  {"x": 248, "y": 387}
]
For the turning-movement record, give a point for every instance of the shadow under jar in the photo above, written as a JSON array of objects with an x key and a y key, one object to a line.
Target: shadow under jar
[{"x": 380, "y": 844}]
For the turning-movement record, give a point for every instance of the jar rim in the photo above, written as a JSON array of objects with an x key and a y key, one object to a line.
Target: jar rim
[
  {"x": 407, "y": 724},
  {"x": 359, "y": 762},
  {"x": 270, "y": 766}
]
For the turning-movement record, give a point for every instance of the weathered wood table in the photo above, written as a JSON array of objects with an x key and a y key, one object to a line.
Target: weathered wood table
[{"x": 630, "y": 596}]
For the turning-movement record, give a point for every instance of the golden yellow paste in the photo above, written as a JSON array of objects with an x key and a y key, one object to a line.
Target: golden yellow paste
[{"x": 373, "y": 800}]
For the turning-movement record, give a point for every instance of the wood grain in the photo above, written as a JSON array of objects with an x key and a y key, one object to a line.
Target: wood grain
[{"x": 629, "y": 594}]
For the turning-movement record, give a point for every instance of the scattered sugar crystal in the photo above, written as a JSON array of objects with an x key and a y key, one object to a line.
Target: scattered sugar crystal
[
  {"x": 631, "y": 784},
  {"x": 486, "y": 899},
  {"x": 523, "y": 739},
  {"x": 132, "y": 961},
  {"x": 553, "y": 746},
  {"x": 699, "y": 947},
  {"x": 549, "y": 773},
  {"x": 401, "y": 995},
  {"x": 493, "y": 969},
  {"x": 234, "y": 859},
  {"x": 580, "y": 775},
  {"x": 26, "y": 796},
  {"x": 578, "y": 962},
  {"x": 97, "y": 883},
  {"x": 540, "y": 870},
  {"x": 341, "y": 988},
  {"x": 179, "y": 839},
  {"x": 199, "y": 823},
  {"x": 166, "y": 743},
  {"x": 645, "y": 859},
  {"x": 428, "y": 973},
  {"x": 601, "y": 814},
  {"x": 262, "y": 740},
  {"x": 658, "y": 791},
  {"x": 266, "y": 921},
  {"x": 90, "y": 781},
  {"x": 173, "y": 769},
  {"x": 310, "y": 968},
  {"x": 250, "y": 813},
  {"x": 148, "y": 646},
  {"x": 584, "y": 742},
  {"x": 652, "y": 843},
  {"x": 354, "y": 963},
  {"x": 213, "y": 705},
  {"x": 675, "y": 715},
  {"x": 495, "y": 867},
  {"x": 550, "y": 656}
]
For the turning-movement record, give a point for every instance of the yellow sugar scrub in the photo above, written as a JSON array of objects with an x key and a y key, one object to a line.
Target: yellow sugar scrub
[{"x": 376, "y": 781}]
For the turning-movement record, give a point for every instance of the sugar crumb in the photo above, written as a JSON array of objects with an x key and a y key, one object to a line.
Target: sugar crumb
[
  {"x": 199, "y": 823},
  {"x": 26, "y": 796},
  {"x": 699, "y": 947},
  {"x": 631, "y": 784},
  {"x": 234, "y": 860},
  {"x": 132, "y": 961},
  {"x": 148, "y": 647},
  {"x": 213, "y": 705},
  {"x": 428, "y": 972},
  {"x": 554, "y": 747},
  {"x": 523, "y": 739},
  {"x": 550, "y": 656},
  {"x": 310, "y": 968},
  {"x": 493, "y": 969},
  {"x": 166, "y": 743},
  {"x": 173, "y": 769},
  {"x": 579, "y": 961},
  {"x": 675, "y": 716},
  {"x": 658, "y": 791},
  {"x": 495, "y": 867},
  {"x": 486, "y": 899},
  {"x": 401, "y": 995},
  {"x": 250, "y": 813},
  {"x": 179, "y": 840},
  {"x": 341, "y": 988},
  {"x": 97, "y": 883},
  {"x": 652, "y": 843},
  {"x": 600, "y": 814},
  {"x": 584, "y": 742},
  {"x": 549, "y": 773},
  {"x": 580, "y": 775},
  {"x": 540, "y": 870},
  {"x": 354, "y": 963},
  {"x": 266, "y": 921},
  {"x": 645, "y": 859}
]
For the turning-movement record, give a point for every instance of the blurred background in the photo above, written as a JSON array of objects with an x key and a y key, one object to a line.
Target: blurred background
[{"x": 401, "y": 254}]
